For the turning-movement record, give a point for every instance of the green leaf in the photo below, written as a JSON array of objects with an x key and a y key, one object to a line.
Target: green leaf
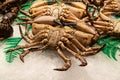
[
  {"x": 107, "y": 51},
  {"x": 117, "y": 16},
  {"x": 113, "y": 53},
  {"x": 111, "y": 47},
  {"x": 12, "y": 55},
  {"x": 12, "y": 43}
]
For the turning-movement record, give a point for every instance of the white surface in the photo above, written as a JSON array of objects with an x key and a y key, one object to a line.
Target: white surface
[{"x": 39, "y": 66}]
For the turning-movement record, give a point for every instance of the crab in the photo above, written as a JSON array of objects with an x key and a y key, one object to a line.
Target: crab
[
  {"x": 44, "y": 8},
  {"x": 111, "y": 7},
  {"x": 103, "y": 22},
  {"x": 65, "y": 31},
  {"x": 59, "y": 39},
  {"x": 59, "y": 14}
]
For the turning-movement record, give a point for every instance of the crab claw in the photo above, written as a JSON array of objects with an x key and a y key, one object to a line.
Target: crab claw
[{"x": 42, "y": 20}]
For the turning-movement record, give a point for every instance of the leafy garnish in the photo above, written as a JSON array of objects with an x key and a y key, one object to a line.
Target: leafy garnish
[
  {"x": 12, "y": 43},
  {"x": 111, "y": 47}
]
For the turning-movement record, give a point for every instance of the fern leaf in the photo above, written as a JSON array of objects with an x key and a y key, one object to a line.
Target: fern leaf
[
  {"x": 117, "y": 17},
  {"x": 111, "y": 47},
  {"x": 11, "y": 55},
  {"x": 106, "y": 51},
  {"x": 113, "y": 53}
]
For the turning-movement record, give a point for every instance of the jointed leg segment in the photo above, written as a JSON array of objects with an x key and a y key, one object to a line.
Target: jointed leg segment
[
  {"x": 66, "y": 60},
  {"x": 77, "y": 55}
]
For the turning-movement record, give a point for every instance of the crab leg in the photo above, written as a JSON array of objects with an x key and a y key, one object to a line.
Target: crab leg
[
  {"x": 103, "y": 23},
  {"x": 103, "y": 28},
  {"x": 41, "y": 3},
  {"x": 29, "y": 45},
  {"x": 25, "y": 13},
  {"x": 39, "y": 37},
  {"x": 79, "y": 23},
  {"x": 104, "y": 17},
  {"x": 66, "y": 60},
  {"x": 91, "y": 51},
  {"x": 79, "y": 5},
  {"x": 22, "y": 55},
  {"x": 24, "y": 19},
  {"x": 77, "y": 55},
  {"x": 24, "y": 37},
  {"x": 41, "y": 13},
  {"x": 35, "y": 36},
  {"x": 81, "y": 47},
  {"x": 76, "y": 42},
  {"x": 28, "y": 33},
  {"x": 94, "y": 51},
  {"x": 70, "y": 45}
]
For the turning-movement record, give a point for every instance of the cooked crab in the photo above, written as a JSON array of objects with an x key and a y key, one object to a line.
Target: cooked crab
[{"x": 57, "y": 38}]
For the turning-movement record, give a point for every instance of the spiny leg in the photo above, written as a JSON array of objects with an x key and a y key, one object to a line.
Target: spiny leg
[
  {"x": 91, "y": 50},
  {"x": 25, "y": 13},
  {"x": 42, "y": 12},
  {"x": 103, "y": 23},
  {"x": 30, "y": 36},
  {"x": 70, "y": 44},
  {"x": 67, "y": 16},
  {"x": 23, "y": 36},
  {"x": 75, "y": 41},
  {"x": 66, "y": 60},
  {"x": 103, "y": 28},
  {"x": 80, "y": 46},
  {"x": 40, "y": 4},
  {"x": 22, "y": 55},
  {"x": 89, "y": 53},
  {"x": 79, "y": 5},
  {"x": 77, "y": 55},
  {"x": 24, "y": 19},
  {"x": 29, "y": 45},
  {"x": 40, "y": 37},
  {"x": 31, "y": 39},
  {"x": 104, "y": 17}
]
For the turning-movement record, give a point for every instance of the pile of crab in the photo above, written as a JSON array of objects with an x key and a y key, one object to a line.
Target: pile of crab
[{"x": 71, "y": 26}]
